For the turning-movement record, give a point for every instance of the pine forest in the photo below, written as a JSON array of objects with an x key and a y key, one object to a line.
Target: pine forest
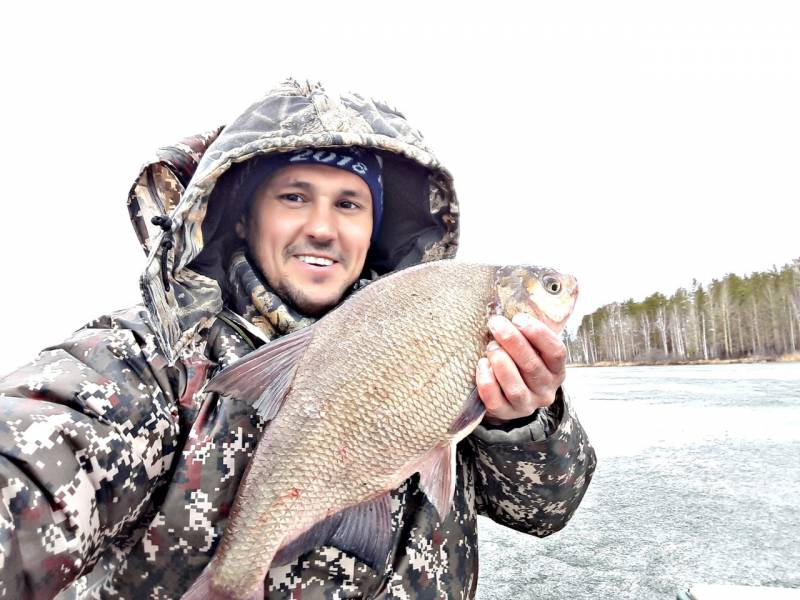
[{"x": 733, "y": 318}]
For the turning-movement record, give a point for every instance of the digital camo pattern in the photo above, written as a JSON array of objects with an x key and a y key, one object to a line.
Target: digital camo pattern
[
  {"x": 85, "y": 464},
  {"x": 88, "y": 430},
  {"x": 118, "y": 470},
  {"x": 293, "y": 115}
]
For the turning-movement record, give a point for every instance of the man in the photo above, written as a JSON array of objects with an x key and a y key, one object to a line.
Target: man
[{"x": 118, "y": 470}]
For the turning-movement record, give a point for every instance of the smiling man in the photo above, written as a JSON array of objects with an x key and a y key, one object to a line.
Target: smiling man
[
  {"x": 118, "y": 469},
  {"x": 309, "y": 223}
]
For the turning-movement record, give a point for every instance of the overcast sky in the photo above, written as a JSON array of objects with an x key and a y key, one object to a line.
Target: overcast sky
[{"x": 634, "y": 144}]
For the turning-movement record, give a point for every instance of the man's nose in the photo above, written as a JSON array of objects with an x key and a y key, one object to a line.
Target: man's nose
[{"x": 321, "y": 224}]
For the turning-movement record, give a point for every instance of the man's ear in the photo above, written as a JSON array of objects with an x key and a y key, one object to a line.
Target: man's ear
[{"x": 241, "y": 227}]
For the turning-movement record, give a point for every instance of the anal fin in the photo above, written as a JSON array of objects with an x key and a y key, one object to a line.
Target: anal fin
[
  {"x": 363, "y": 530},
  {"x": 366, "y": 530}
]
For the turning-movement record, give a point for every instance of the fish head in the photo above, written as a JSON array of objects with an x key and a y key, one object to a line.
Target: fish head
[{"x": 539, "y": 291}]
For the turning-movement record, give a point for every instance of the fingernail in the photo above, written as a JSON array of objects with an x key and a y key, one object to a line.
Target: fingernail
[
  {"x": 497, "y": 323},
  {"x": 484, "y": 374},
  {"x": 522, "y": 319},
  {"x": 492, "y": 346}
]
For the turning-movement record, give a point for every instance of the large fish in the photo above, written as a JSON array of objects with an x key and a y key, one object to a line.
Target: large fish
[{"x": 377, "y": 390}]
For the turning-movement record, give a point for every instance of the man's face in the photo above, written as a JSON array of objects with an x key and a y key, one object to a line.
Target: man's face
[{"x": 308, "y": 231}]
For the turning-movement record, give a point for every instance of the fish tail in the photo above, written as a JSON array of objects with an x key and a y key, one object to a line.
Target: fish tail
[{"x": 204, "y": 589}]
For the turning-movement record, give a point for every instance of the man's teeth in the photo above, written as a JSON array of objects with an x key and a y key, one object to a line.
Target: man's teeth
[{"x": 316, "y": 260}]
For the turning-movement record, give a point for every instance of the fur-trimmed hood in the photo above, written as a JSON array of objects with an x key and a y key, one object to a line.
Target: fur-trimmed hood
[{"x": 183, "y": 280}]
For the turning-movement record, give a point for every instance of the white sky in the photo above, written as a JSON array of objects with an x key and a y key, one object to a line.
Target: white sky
[{"x": 634, "y": 144}]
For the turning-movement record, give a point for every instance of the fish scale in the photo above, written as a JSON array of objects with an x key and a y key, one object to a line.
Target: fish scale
[{"x": 378, "y": 388}]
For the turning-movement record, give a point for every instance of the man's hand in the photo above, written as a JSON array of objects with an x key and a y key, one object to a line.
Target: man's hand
[{"x": 522, "y": 369}]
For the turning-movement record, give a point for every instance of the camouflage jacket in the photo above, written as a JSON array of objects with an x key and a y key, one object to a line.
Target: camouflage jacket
[{"x": 117, "y": 470}]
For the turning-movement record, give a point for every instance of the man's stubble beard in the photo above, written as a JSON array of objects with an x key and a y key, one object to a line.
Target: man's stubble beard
[
  {"x": 292, "y": 295},
  {"x": 298, "y": 299}
]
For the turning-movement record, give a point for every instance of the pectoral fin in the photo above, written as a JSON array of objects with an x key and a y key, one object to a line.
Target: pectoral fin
[
  {"x": 471, "y": 414},
  {"x": 263, "y": 377}
]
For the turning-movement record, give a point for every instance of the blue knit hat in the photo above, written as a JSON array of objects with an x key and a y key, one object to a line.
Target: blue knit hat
[{"x": 363, "y": 163}]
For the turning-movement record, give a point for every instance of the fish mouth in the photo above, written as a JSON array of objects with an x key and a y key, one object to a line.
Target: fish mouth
[{"x": 551, "y": 323}]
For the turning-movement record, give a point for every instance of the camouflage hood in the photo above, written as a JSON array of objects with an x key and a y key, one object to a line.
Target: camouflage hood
[{"x": 187, "y": 184}]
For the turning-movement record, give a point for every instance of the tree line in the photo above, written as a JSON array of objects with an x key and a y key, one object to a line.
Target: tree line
[{"x": 733, "y": 317}]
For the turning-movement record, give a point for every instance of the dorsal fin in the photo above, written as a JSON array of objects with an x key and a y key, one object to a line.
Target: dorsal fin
[{"x": 263, "y": 377}]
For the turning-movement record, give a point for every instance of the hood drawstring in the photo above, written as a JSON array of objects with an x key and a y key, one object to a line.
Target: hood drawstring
[{"x": 167, "y": 243}]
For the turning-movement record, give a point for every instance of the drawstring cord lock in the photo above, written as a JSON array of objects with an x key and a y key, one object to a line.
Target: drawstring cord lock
[{"x": 167, "y": 244}]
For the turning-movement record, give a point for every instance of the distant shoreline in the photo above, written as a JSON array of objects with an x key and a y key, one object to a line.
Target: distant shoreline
[{"x": 672, "y": 362}]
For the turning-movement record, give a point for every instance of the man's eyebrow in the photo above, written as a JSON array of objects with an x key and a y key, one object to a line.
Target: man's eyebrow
[
  {"x": 299, "y": 183},
  {"x": 305, "y": 185}
]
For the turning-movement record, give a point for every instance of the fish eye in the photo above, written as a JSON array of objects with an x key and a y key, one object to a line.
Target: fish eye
[{"x": 551, "y": 284}]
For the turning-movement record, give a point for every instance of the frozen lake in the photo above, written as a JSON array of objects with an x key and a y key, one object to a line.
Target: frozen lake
[{"x": 698, "y": 481}]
